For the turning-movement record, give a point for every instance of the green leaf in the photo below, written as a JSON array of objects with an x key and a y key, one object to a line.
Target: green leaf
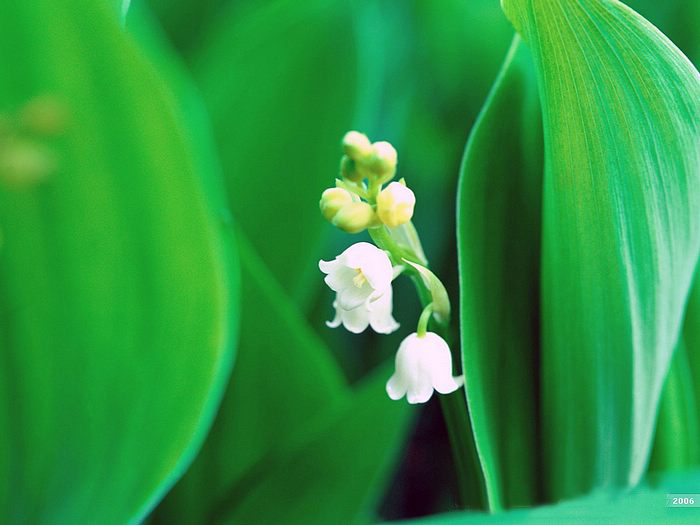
[
  {"x": 498, "y": 219},
  {"x": 333, "y": 471},
  {"x": 117, "y": 286},
  {"x": 284, "y": 377},
  {"x": 691, "y": 339},
  {"x": 646, "y": 504},
  {"x": 677, "y": 440},
  {"x": 691, "y": 332},
  {"x": 280, "y": 103},
  {"x": 621, "y": 231}
]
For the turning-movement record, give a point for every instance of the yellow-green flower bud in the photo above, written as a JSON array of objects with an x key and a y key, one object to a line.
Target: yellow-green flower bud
[
  {"x": 395, "y": 204},
  {"x": 348, "y": 169},
  {"x": 356, "y": 145},
  {"x": 332, "y": 200},
  {"x": 24, "y": 162},
  {"x": 354, "y": 217},
  {"x": 44, "y": 115},
  {"x": 382, "y": 162}
]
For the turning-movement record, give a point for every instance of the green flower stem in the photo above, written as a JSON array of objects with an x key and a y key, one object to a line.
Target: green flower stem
[
  {"x": 470, "y": 487},
  {"x": 357, "y": 189},
  {"x": 383, "y": 239},
  {"x": 454, "y": 407},
  {"x": 424, "y": 319}
]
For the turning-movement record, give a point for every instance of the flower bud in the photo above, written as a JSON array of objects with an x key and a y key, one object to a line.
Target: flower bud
[
  {"x": 332, "y": 200},
  {"x": 44, "y": 115},
  {"x": 395, "y": 204},
  {"x": 24, "y": 162},
  {"x": 354, "y": 217},
  {"x": 356, "y": 145},
  {"x": 382, "y": 162},
  {"x": 348, "y": 169}
]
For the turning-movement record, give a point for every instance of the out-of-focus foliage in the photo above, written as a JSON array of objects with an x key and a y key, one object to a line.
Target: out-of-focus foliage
[
  {"x": 334, "y": 471},
  {"x": 116, "y": 284},
  {"x": 277, "y": 122},
  {"x": 287, "y": 408}
]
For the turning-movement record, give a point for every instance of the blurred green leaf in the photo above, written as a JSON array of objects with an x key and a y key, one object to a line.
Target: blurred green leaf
[
  {"x": 620, "y": 230},
  {"x": 646, "y": 504},
  {"x": 498, "y": 221},
  {"x": 187, "y": 21},
  {"x": 284, "y": 377},
  {"x": 333, "y": 472},
  {"x": 279, "y": 82},
  {"x": 117, "y": 286}
]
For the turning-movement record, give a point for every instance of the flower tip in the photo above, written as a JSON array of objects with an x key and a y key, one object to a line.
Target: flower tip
[
  {"x": 356, "y": 145},
  {"x": 395, "y": 204},
  {"x": 333, "y": 200},
  {"x": 383, "y": 160},
  {"x": 354, "y": 217}
]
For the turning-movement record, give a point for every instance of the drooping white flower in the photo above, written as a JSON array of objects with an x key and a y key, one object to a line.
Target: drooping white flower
[
  {"x": 360, "y": 275},
  {"x": 423, "y": 364},
  {"x": 377, "y": 315}
]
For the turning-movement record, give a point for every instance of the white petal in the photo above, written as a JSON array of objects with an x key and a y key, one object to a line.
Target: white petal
[
  {"x": 335, "y": 323},
  {"x": 395, "y": 388},
  {"x": 435, "y": 344},
  {"x": 354, "y": 296},
  {"x": 380, "y": 316},
  {"x": 340, "y": 278},
  {"x": 357, "y": 253},
  {"x": 384, "y": 326},
  {"x": 447, "y": 384},
  {"x": 420, "y": 392},
  {"x": 373, "y": 262},
  {"x": 328, "y": 266},
  {"x": 355, "y": 320},
  {"x": 378, "y": 270}
]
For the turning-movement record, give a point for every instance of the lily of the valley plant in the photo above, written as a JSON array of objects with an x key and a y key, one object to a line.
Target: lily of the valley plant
[{"x": 362, "y": 275}]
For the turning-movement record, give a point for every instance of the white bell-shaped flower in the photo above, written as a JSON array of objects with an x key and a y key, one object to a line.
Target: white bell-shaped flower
[
  {"x": 377, "y": 315},
  {"x": 360, "y": 275},
  {"x": 423, "y": 364}
]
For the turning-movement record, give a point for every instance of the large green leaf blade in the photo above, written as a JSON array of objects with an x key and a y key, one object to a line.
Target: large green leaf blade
[
  {"x": 117, "y": 290},
  {"x": 498, "y": 216},
  {"x": 620, "y": 229}
]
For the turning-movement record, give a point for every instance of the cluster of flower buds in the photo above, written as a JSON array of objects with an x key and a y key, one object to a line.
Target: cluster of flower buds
[
  {"x": 358, "y": 201},
  {"x": 26, "y": 155},
  {"x": 362, "y": 275}
]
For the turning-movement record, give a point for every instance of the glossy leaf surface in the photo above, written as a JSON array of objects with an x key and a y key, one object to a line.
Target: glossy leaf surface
[{"x": 621, "y": 230}]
